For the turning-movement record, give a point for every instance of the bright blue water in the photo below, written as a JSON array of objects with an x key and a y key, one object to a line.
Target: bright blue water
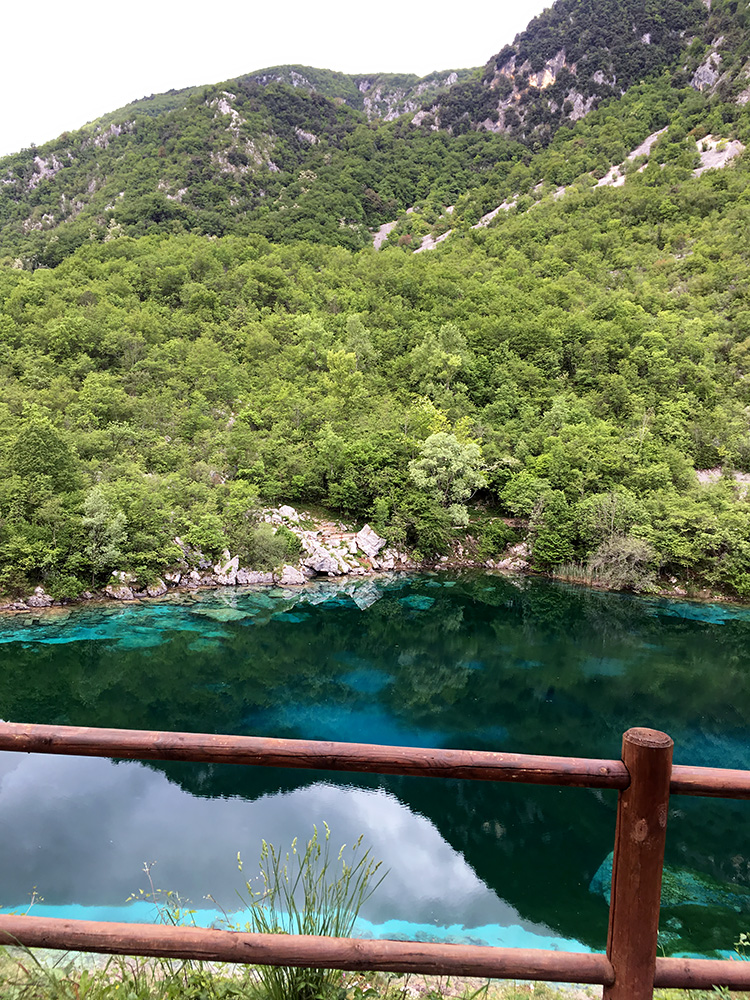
[{"x": 470, "y": 661}]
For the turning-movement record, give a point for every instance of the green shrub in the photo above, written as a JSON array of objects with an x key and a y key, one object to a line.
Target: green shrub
[
  {"x": 304, "y": 892},
  {"x": 494, "y": 538}
]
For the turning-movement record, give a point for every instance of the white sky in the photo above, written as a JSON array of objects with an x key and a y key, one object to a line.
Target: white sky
[{"x": 67, "y": 63}]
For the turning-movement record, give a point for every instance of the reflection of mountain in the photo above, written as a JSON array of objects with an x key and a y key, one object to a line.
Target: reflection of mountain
[{"x": 530, "y": 667}]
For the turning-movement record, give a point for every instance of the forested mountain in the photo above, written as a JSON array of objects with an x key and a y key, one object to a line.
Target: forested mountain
[{"x": 194, "y": 320}]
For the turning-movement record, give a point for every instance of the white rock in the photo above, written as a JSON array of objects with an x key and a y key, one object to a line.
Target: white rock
[
  {"x": 251, "y": 576},
  {"x": 369, "y": 541},
  {"x": 39, "y": 599},
  {"x": 173, "y": 576},
  {"x": 365, "y": 596},
  {"x": 226, "y": 572},
  {"x": 119, "y": 592},
  {"x": 322, "y": 561},
  {"x": 291, "y": 577},
  {"x": 289, "y": 513},
  {"x": 156, "y": 589},
  {"x": 122, "y": 577}
]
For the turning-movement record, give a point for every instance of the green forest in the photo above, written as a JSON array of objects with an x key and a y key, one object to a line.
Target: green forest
[{"x": 576, "y": 373}]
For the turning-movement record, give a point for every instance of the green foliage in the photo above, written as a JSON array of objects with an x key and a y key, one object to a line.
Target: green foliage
[
  {"x": 447, "y": 469},
  {"x": 269, "y": 548},
  {"x": 623, "y": 562},
  {"x": 306, "y": 892},
  {"x": 493, "y": 538},
  {"x": 105, "y": 528},
  {"x": 223, "y": 336}
]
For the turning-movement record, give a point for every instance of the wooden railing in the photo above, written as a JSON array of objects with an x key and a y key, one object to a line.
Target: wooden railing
[{"x": 644, "y": 779}]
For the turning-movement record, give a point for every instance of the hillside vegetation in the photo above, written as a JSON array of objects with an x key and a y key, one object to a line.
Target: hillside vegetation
[{"x": 208, "y": 328}]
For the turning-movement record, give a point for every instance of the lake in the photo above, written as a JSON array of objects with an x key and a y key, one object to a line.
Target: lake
[{"x": 472, "y": 661}]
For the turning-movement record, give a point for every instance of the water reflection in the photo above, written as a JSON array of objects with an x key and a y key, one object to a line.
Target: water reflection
[
  {"x": 472, "y": 661},
  {"x": 78, "y": 830}
]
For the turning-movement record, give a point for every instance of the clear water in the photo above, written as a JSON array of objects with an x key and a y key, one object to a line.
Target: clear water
[{"x": 473, "y": 661}]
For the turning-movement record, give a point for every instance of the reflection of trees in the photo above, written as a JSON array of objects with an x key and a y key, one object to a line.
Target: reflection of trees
[{"x": 535, "y": 668}]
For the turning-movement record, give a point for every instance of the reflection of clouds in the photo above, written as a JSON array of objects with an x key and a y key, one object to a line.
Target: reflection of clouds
[{"x": 80, "y": 830}]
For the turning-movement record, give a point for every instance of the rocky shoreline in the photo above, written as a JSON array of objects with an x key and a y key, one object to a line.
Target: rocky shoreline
[{"x": 329, "y": 549}]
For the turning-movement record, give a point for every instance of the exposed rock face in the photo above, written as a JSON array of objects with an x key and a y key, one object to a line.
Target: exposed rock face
[
  {"x": 157, "y": 589},
  {"x": 516, "y": 560},
  {"x": 119, "y": 592},
  {"x": 39, "y": 599},
  {"x": 369, "y": 541},
  {"x": 225, "y": 572},
  {"x": 248, "y": 577},
  {"x": 707, "y": 73},
  {"x": 291, "y": 577}
]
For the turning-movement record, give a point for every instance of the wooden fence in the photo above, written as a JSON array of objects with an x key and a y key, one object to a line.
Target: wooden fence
[{"x": 644, "y": 778}]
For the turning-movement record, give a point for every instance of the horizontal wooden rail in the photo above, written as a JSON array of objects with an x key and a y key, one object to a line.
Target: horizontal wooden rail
[
  {"x": 138, "y": 744},
  {"x": 701, "y": 973},
  {"x": 477, "y": 765},
  {"x": 713, "y": 782},
  {"x": 307, "y": 951},
  {"x": 352, "y": 954},
  {"x": 628, "y": 970}
]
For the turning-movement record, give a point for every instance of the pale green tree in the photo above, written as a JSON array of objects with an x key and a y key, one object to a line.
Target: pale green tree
[
  {"x": 106, "y": 533},
  {"x": 449, "y": 471}
]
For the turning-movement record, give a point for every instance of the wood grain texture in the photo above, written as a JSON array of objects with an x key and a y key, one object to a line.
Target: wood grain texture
[
  {"x": 702, "y": 973},
  {"x": 135, "y": 744},
  {"x": 713, "y": 782},
  {"x": 305, "y": 951},
  {"x": 637, "y": 864}
]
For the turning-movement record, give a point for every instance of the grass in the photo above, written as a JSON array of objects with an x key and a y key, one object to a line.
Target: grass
[
  {"x": 27, "y": 975},
  {"x": 300, "y": 891}
]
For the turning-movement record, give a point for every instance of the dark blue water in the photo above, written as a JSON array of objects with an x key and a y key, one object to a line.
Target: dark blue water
[{"x": 473, "y": 661}]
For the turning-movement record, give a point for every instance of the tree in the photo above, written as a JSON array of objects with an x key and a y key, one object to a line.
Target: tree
[
  {"x": 448, "y": 471},
  {"x": 40, "y": 451},
  {"x": 105, "y": 531}
]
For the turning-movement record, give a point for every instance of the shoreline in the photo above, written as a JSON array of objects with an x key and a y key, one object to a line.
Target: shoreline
[{"x": 330, "y": 552}]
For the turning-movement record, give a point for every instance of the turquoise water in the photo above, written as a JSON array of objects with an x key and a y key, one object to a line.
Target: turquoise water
[{"x": 470, "y": 661}]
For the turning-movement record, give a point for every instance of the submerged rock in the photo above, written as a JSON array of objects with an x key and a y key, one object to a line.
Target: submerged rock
[{"x": 682, "y": 887}]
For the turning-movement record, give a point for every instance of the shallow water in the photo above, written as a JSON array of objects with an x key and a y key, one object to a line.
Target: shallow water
[{"x": 472, "y": 661}]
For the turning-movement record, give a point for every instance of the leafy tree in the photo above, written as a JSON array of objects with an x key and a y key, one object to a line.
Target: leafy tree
[
  {"x": 105, "y": 529},
  {"x": 447, "y": 469}
]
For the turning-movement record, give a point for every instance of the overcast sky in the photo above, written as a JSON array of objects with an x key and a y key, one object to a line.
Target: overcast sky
[{"x": 67, "y": 63}]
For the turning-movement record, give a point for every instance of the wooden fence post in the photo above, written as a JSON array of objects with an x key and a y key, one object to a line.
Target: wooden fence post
[{"x": 637, "y": 864}]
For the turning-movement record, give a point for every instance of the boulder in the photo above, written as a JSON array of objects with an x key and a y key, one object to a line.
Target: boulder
[
  {"x": 124, "y": 578},
  {"x": 119, "y": 592},
  {"x": 369, "y": 541},
  {"x": 247, "y": 577},
  {"x": 322, "y": 561},
  {"x": 289, "y": 513},
  {"x": 39, "y": 599},
  {"x": 291, "y": 577},
  {"x": 157, "y": 589},
  {"x": 193, "y": 579},
  {"x": 173, "y": 576},
  {"x": 226, "y": 571}
]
